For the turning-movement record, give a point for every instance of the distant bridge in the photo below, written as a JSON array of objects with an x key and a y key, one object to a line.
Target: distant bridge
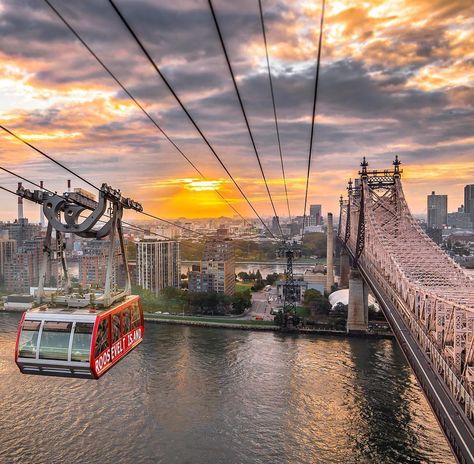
[{"x": 426, "y": 297}]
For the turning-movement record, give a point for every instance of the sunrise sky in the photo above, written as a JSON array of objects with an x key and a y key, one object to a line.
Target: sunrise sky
[{"x": 396, "y": 77}]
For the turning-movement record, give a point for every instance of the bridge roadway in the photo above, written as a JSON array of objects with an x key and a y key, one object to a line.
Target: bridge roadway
[{"x": 457, "y": 428}]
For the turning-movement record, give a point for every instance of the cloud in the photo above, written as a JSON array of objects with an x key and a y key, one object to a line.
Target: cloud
[{"x": 396, "y": 76}]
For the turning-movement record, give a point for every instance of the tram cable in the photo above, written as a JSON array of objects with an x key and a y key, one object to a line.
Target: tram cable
[
  {"x": 241, "y": 104},
  {"x": 8, "y": 190},
  {"x": 188, "y": 114},
  {"x": 42, "y": 187},
  {"x": 127, "y": 225},
  {"x": 20, "y": 139},
  {"x": 25, "y": 179},
  {"x": 8, "y": 131},
  {"x": 137, "y": 103},
  {"x": 316, "y": 81},
  {"x": 272, "y": 92}
]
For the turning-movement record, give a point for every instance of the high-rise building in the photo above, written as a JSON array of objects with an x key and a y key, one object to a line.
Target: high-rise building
[
  {"x": 314, "y": 215},
  {"x": 93, "y": 265},
  {"x": 158, "y": 264},
  {"x": 20, "y": 273},
  {"x": 217, "y": 271},
  {"x": 437, "y": 206},
  {"x": 469, "y": 201},
  {"x": 21, "y": 230},
  {"x": 460, "y": 220},
  {"x": 7, "y": 251},
  {"x": 275, "y": 225}
]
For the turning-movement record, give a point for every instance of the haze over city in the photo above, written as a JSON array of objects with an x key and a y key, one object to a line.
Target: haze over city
[{"x": 396, "y": 77}]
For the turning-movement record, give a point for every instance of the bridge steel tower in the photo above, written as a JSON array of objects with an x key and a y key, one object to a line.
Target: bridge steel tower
[{"x": 426, "y": 297}]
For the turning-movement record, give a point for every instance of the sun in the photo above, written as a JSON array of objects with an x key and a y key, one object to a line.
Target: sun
[{"x": 202, "y": 185}]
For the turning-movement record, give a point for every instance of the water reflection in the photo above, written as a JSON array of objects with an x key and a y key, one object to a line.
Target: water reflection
[
  {"x": 196, "y": 395},
  {"x": 385, "y": 422}
]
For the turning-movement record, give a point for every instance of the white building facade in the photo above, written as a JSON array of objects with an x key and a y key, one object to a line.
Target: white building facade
[{"x": 158, "y": 264}]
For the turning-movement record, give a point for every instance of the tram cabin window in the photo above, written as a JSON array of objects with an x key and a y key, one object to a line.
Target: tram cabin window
[
  {"x": 126, "y": 320},
  {"x": 28, "y": 339},
  {"x": 54, "y": 343},
  {"x": 115, "y": 327},
  {"x": 81, "y": 342},
  {"x": 136, "y": 318},
  {"x": 102, "y": 342}
]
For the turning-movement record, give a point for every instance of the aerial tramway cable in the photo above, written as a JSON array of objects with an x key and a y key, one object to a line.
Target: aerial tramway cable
[
  {"x": 241, "y": 104},
  {"x": 316, "y": 80},
  {"x": 8, "y": 131},
  {"x": 127, "y": 225},
  {"x": 8, "y": 190},
  {"x": 90, "y": 183},
  {"x": 191, "y": 119},
  {"x": 262, "y": 22},
  {"x": 137, "y": 103}
]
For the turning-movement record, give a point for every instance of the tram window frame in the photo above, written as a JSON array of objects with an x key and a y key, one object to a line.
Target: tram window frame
[
  {"x": 116, "y": 335},
  {"x": 80, "y": 334},
  {"x": 25, "y": 328},
  {"x": 105, "y": 344},
  {"x": 49, "y": 346},
  {"x": 135, "y": 309},
  {"x": 125, "y": 329}
]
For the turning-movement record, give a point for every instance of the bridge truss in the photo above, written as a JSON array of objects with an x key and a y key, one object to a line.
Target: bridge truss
[{"x": 432, "y": 292}]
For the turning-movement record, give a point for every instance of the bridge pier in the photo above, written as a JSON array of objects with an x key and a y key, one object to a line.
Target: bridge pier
[
  {"x": 345, "y": 267},
  {"x": 329, "y": 255},
  {"x": 358, "y": 311}
]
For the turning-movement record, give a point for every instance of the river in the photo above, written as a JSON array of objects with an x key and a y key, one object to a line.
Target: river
[
  {"x": 199, "y": 395},
  {"x": 265, "y": 267}
]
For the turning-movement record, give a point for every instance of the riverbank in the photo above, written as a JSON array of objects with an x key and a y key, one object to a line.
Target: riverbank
[
  {"x": 226, "y": 323},
  {"x": 266, "y": 326}
]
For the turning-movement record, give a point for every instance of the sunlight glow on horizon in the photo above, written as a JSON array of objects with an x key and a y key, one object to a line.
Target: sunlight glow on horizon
[{"x": 406, "y": 58}]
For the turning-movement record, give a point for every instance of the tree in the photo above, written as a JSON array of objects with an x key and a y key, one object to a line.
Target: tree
[
  {"x": 198, "y": 301},
  {"x": 316, "y": 302},
  {"x": 243, "y": 276},
  {"x": 314, "y": 243},
  {"x": 340, "y": 309},
  {"x": 271, "y": 278},
  {"x": 375, "y": 315},
  {"x": 258, "y": 275},
  {"x": 241, "y": 301},
  {"x": 171, "y": 293},
  {"x": 258, "y": 285},
  {"x": 149, "y": 300},
  {"x": 209, "y": 302}
]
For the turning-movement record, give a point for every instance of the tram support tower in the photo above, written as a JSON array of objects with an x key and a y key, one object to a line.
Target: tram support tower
[
  {"x": 289, "y": 250},
  {"x": 65, "y": 215}
]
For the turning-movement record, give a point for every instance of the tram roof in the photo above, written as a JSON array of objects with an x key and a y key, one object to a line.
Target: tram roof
[{"x": 56, "y": 313}]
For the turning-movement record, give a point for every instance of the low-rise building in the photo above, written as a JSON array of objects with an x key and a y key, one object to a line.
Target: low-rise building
[{"x": 217, "y": 270}]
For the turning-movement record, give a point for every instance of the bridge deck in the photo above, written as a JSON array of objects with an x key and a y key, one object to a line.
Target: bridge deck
[{"x": 458, "y": 430}]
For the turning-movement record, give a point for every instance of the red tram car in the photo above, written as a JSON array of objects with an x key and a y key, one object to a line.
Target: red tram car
[{"x": 78, "y": 342}]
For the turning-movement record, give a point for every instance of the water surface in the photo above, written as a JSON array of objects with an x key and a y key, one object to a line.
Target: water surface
[{"x": 197, "y": 395}]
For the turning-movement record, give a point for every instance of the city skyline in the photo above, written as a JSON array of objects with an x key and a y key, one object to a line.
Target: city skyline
[{"x": 395, "y": 79}]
